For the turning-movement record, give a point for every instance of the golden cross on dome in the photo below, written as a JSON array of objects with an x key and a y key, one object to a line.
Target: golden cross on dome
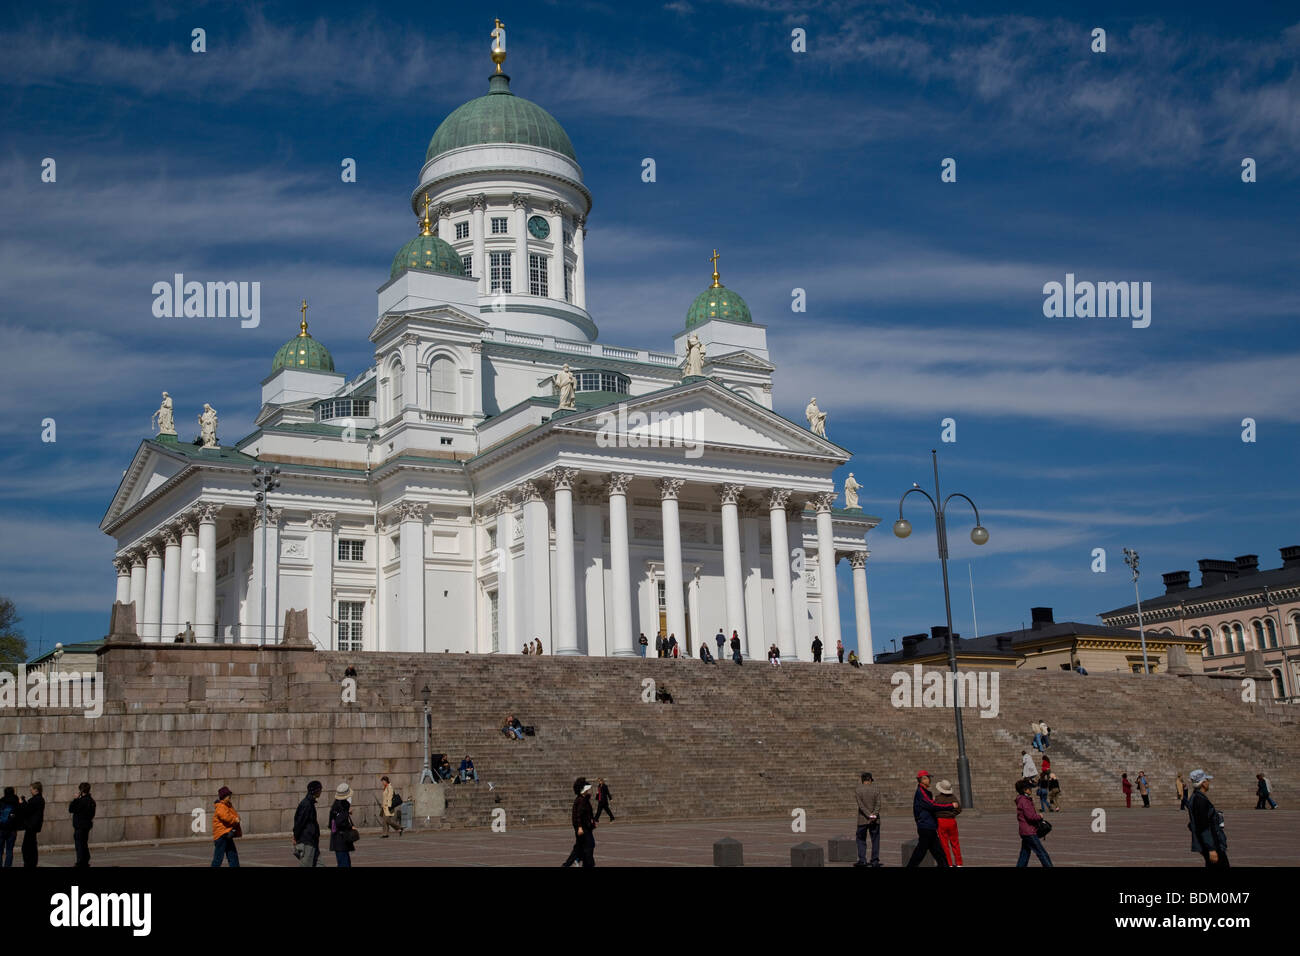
[
  {"x": 498, "y": 44},
  {"x": 303, "y": 326},
  {"x": 714, "y": 259},
  {"x": 426, "y": 228}
]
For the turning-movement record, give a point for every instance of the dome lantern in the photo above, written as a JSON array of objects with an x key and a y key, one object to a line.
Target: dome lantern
[{"x": 302, "y": 352}]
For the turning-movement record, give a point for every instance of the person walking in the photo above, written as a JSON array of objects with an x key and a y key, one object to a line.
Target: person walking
[
  {"x": 10, "y": 810},
  {"x": 1263, "y": 792},
  {"x": 584, "y": 840},
  {"x": 1028, "y": 820},
  {"x": 839, "y": 650},
  {"x": 1053, "y": 793},
  {"x": 868, "y": 798},
  {"x": 388, "y": 814},
  {"x": 1180, "y": 790},
  {"x": 817, "y": 649},
  {"x": 30, "y": 821},
  {"x": 735, "y": 648},
  {"x": 1143, "y": 789},
  {"x": 1037, "y": 730},
  {"x": 1127, "y": 787},
  {"x": 645, "y": 644},
  {"x": 306, "y": 827},
  {"x": 1047, "y": 735},
  {"x": 721, "y": 640},
  {"x": 947, "y": 817},
  {"x": 1027, "y": 770},
  {"x": 1206, "y": 823},
  {"x": 225, "y": 829},
  {"x": 82, "y": 809},
  {"x": 927, "y": 825},
  {"x": 1044, "y": 785},
  {"x": 343, "y": 834},
  {"x": 602, "y": 798}
]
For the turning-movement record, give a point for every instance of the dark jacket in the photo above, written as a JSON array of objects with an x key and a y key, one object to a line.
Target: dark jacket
[
  {"x": 306, "y": 825},
  {"x": 923, "y": 807},
  {"x": 603, "y": 793},
  {"x": 735, "y": 643},
  {"x": 868, "y": 804},
  {"x": 83, "y": 812},
  {"x": 16, "y": 811},
  {"x": 340, "y": 824},
  {"x": 1206, "y": 825},
  {"x": 32, "y": 817},
  {"x": 582, "y": 816}
]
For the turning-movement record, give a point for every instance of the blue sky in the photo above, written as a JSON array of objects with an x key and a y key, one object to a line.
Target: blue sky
[{"x": 818, "y": 170}]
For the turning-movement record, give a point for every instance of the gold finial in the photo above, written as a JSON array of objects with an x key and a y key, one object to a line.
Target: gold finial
[
  {"x": 303, "y": 334},
  {"x": 714, "y": 259},
  {"x": 426, "y": 227},
  {"x": 499, "y": 44}
]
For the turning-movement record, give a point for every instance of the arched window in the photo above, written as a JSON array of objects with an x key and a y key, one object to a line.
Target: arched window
[
  {"x": 395, "y": 376},
  {"x": 1239, "y": 638},
  {"x": 442, "y": 385},
  {"x": 1294, "y": 626},
  {"x": 1278, "y": 690},
  {"x": 1258, "y": 627},
  {"x": 1226, "y": 633},
  {"x": 1270, "y": 631}
]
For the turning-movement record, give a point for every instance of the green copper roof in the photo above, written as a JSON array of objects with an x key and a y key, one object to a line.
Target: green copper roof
[
  {"x": 500, "y": 117},
  {"x": 429, "y": 253},
  {"x": 303, "y": 352},
  {"x": 717, "y": 303}
]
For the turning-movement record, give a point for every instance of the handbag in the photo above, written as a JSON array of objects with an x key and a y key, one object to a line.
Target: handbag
[{"x": 1043, "y": 828}]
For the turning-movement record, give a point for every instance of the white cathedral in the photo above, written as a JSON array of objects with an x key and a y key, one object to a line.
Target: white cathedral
[{"x": 498, "y": 476}]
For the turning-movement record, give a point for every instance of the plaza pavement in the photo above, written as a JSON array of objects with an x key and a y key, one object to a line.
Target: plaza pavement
[{"x": 1134, "y": 837}]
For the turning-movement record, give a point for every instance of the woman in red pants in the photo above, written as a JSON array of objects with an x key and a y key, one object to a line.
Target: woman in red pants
[
  {"x": 1127, "y": 788},
  {"x": 947, "y": 819}
]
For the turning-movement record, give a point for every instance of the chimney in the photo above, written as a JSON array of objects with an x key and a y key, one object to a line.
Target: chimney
[
  {"x": 1247, "y": 564},
  {"x": 1041, "y": 616},
  {"x": 909, "y": 644},
  {"x": 1177, "y": 581},
  {"x": 1290, "y": 556},
  {"x": 1004, "y": 642},
  {"x": 1214, "y": 571},
  {"x": 939, "y": 632}
]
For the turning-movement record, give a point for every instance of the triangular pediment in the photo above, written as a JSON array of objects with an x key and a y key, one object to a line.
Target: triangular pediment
[
  {"x": 442, "y": 316},
  {"x": 158, "y": 462},
  {"x": 741, "y": 359}
]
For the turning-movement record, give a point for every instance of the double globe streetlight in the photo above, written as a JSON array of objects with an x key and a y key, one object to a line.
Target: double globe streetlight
[{"x": 979, "y": 534}]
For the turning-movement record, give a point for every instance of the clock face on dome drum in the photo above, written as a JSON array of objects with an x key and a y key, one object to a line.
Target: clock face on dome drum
[{"x": 539, "y": 227}]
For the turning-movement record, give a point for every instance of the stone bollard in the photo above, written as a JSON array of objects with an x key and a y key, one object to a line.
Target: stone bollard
[
  {"x": 909, "y": 847},
  {"x": 728, "y": 852},
  {"x": 807, "y": 854},
  {"x": 842, "y": 849}
]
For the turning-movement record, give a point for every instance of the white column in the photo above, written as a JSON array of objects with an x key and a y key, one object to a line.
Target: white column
[
  {"x": 411, "y": 576},
  {"x": 519, "y": 284},
  {"x": 205, "y": 589},
  {"x": 266, "y": 540},
  {"x": 826, "y": 566},
  {"x": 445, "y": 232},
  {"x": 668, "y": 489},
  {"x": 693, "y": 605},
  {"x": 593, "y": 563},
  {"x": 566, "y": 588},
  {"x": 241, "y": 531},
  {"x": 321, "y": 607},
  {"x": 580, "y": 264},
  {"x": 556, "y": 220},
  {"x": 507, "y": 624},
  {"x": 620, "y": 572},
  {"x": 188, "y": 587},
  {"x": 477, "y": 204},
  {"x": 753, "y": 640},
  {"x": 732, "y": 574},
  {"x": 858, "y": 561},
  {"x": 123, "y": 567},
  {"x": 149, "y": 629},
  {"x": 798, "y": 585},
  {"x": 537, "y": 566},
  {"x": 137, "y": 590},
  {"x": 776, "y": 501},
  {"x": 171, "y": 594}
]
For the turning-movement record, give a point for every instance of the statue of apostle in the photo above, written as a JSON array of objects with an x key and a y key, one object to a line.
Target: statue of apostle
[
  {"x": 816, "y": 418},
  {"x": 208, "y": 426},
  {"x": 567, "y": 386},
  {"x": 694, "y": 356},
  {"x": 164, "y": 418},
  {"x": 851, "y": 492}
]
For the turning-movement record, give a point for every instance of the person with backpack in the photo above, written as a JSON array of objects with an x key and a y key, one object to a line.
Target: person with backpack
[
  {"x": 1206, "y": 823},
  {"x": 225, "y": 829},
  {"x": 82, "y": 809},
  {"x": 388, "y": 806},
  {"x": 735, "y": 648},
  {"x": 343, "y": 835},
  {"x": 306, "y": 827},
  {"x": 1053, "y": 792},
  {"x": 30, "y": 820},
  {"x": 10, "y": 808},
  {"x": 1031, "y": 826}
]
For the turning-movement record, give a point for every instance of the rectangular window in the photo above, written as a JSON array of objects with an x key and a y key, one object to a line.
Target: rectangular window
[
  {"x": 445, "y": 440},
  {"x": 537, "y": 284},
  {"x": 350, "y": 616},
  {"x": 467, "y": 265},
  {"x": 500, "y": 271},
  {"x": 351, "y": 550},
  {"x": 568, "y": 283},
  {"x": 494, "y": 616},
  {"x": 462, "y": 230},
  {"x": 500, "y": 225},
  {"x": 491, "y": 539}
]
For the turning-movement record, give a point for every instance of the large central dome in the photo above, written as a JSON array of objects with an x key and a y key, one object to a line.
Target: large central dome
[{"x": 500, "y": 117}]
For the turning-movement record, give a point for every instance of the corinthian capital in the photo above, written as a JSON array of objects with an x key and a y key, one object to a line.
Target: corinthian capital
[
  {"x": 411, "y": 511},
  {"x": 563, "y": 478},
  {"x": 323, "y": 520},
  {"x": 616, "y": 483},
  {"x": 777, "y": 498},
  {"x": 519, "y": 200},
  {"x": 669, "y": 487},
  {"x": 730, "y": 494},
  {"x": 823, "y": 501},
  {"x": 478, "y": 202},
  {"x": 858, "y": 559},
  {"x": 530, "y": 490},
  {"x": 206, "y": 512}
]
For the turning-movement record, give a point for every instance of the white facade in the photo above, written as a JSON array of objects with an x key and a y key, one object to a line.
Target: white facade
[{"x": 441, "y": 500}]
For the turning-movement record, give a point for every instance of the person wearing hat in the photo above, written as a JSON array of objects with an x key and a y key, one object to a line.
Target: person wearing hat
[
  {"x": 868, "y": 820},
  {"x": 584, "y": 840},
  {"x": 927, "y": 824},
  {"x": 343, "y": 835},
  {"x": 306, "y": 827},
  {"x": 947, "y": 819},
  {"x": 1206, "y": 823},
  {"x": 225, "y": 828}
]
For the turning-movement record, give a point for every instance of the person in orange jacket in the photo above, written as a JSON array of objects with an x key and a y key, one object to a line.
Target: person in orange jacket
[{"x": 225, "y": 828}]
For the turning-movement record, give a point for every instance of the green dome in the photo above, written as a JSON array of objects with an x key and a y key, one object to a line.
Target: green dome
[
  {"x": 303, "y": 352},
  {"x": 500, "y": 117},
  {"x": 717, "y": 302},
  {"x": 429, "y": 253}
]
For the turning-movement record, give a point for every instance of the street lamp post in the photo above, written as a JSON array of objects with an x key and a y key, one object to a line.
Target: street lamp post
[
  {"x": 902, "y": 528},
  {"x": 265, "y": 480},
  {"x": 1131, "y": 559},
  {"x": 427, "y": 772}
]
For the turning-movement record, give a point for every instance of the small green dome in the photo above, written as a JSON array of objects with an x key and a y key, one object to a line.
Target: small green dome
[
  {"x": 500, "y": 117},
  {"x": 717, "y": 302},
  {"x": 429, "y": 253},
  {"x": 303, "y": 352}
]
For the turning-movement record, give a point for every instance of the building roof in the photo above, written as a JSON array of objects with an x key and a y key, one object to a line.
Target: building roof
[
  {"x": 1220, "y": 580},
  {"x": 196, "y": 451},
  {"x": 427, "y": 253},
  {"x": 717, "y": 302},
  {"x": 500, "y": 117},
  {"x": 81, "y": 647},
  {"x": 303, "y": 352}
]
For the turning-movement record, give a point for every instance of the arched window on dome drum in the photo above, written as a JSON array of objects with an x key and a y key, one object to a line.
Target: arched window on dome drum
[{"x": 442, "y": 385}]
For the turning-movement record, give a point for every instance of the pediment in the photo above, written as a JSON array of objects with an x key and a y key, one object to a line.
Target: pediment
[
  {"x": 155, "y": 464},
  {"x": 442, "y": 316},
  {"x": 741, "y": 359}
]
